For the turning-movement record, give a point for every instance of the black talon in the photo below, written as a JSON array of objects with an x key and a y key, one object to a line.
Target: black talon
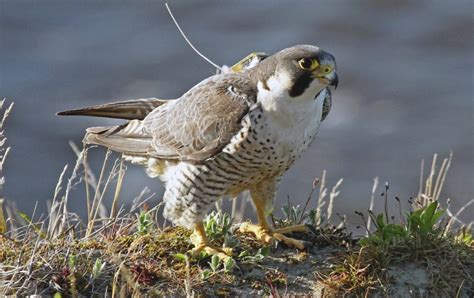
[
  {"x": 307, "y": 245},
  {"x": 312, "y": 229}
]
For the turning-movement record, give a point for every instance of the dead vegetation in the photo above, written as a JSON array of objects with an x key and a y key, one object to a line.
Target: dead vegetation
[
  {"x": 417, "y": 253},
  {"x": 116, "y": 251}
]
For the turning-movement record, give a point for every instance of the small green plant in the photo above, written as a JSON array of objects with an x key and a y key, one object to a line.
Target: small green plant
[
  {"x": 316, "y": 216},
  {"x": 37, "y": 229},
  {"x": 292, "y": 213},
  {"x": 229, "y": 265},
  {"x": 144, "y": 223},
  {"x": 205, "y": 274},
  {"x": 419, "y": 231},
  {"x": 72, "y": 278},
  {"x": 72, "y": 261},
  {"x": 98, "y": 268},
  {"x": 313, "y": 217},
  {"x": 385, "y": 233},
  {"x": 464, "y": 237},
  {"x": 217, "y": 226},
  {"x": 214, "y": 263},
  {"x": 180, "y": 257},
  {"x": 422, "y": 223},
  {"x": 247, "y": 257},
  {"x": 217, "y": 265}
]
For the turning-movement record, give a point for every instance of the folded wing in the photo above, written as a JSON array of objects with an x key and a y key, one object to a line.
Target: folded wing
[
  {"x": 204, "y": 120},
  {"x": 194, "y": 127}
]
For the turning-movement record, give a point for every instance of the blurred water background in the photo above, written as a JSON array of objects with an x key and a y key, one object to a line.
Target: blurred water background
[{"x": 405, "y": 92}]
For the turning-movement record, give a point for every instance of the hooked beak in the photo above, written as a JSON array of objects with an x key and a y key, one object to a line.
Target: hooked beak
[{"x": 334, "y": 80}]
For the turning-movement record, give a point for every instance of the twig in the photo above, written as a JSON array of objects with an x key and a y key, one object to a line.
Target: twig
[
  {"x": 443, "y": 176},
  {"x": 334, "y": 193},
  {"x": 234, "y": 207},
  {"x": 371, "y": 206},
  {"x": 322, "y": 194},
  {"x": 455, "y": 216},
  {"x": 429, "y": 181},
  {"x": 68, "y": 189},
  {"x": 244, "y": 200},
  {"x": 99, "y": 205},
  {"x": 422, "y": 169},
  {"x": 86, "y": 178},
  {"x": 315, "y": 184},
  {"x": 97, "y": 196},
  {"x": 187, "y": 280},
  {"x": 122, "y": 169},
  {"x": 387, "y": 186}
]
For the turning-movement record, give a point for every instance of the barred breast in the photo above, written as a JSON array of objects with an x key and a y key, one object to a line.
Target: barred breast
[{"x": 261, "y": 150}]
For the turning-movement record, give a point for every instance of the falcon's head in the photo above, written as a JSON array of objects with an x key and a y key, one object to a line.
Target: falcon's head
[{"x": 296, "y": 71}]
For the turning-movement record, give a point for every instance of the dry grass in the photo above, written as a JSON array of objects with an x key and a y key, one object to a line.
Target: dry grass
[
  {"x": 125, "y": 252},
  {"x": 422, "y": 253},
  {"x": 121, "y": 252}
]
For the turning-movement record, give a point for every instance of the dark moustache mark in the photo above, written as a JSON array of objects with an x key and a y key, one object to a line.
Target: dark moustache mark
[{"x": 302, "y": 82}]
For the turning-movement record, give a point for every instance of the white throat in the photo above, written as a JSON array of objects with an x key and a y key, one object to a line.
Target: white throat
[
  {"x": 283, "y": 108},
  {"x": 292, "y": 121}
]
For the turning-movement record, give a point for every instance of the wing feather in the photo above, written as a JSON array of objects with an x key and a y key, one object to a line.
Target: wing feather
[
  {"x": 129, "y": 138},
  {"x": 203, "y": 120},
  {"x": 194, "y": 127},
  {"x": 129, "y": 109}
]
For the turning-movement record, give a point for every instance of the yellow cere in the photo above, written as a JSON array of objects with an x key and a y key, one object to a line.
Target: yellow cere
[{"x": 327, "y": 69}]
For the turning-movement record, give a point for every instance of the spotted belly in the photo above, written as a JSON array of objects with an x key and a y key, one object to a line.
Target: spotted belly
[
  {"x": 256, "y": 154},
  {"x": 193, "y": 189}
]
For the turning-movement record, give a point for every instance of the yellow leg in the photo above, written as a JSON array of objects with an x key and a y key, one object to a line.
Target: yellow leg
[
  {"x": 291, "y": 229},
  {"x": 261, "y": 230},
  {"x": 200, "y": 242}
]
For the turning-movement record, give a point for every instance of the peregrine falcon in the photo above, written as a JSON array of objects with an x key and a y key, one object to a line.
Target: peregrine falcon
[{"x": 234, "y": 131}]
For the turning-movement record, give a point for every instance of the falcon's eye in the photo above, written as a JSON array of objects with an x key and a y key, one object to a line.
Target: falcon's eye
[
  {"x": 306, "y": 63},
  {"x": 327, "y": 70}
]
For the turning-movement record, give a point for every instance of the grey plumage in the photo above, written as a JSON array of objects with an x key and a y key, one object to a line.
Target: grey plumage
[
  {"x": 128, "y": 109},
  {"x": 327, "y": 103},
  {"x": 203, "y": 120},
  {"x": 219, "y": 138}
]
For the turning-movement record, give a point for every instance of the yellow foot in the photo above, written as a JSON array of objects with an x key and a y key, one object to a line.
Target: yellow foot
[
  {"x": 269, "y": 236},
  {"x": 222, "y": 252},
  {"x": 199, "y": 239}
]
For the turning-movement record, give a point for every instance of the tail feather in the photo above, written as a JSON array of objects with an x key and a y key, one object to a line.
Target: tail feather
[
  {"x": 131, "y": 146},
  {"x": 129, "y": 109},
  {"x": 131, "y": 129},
  {"x": 128, "y": 138}
]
